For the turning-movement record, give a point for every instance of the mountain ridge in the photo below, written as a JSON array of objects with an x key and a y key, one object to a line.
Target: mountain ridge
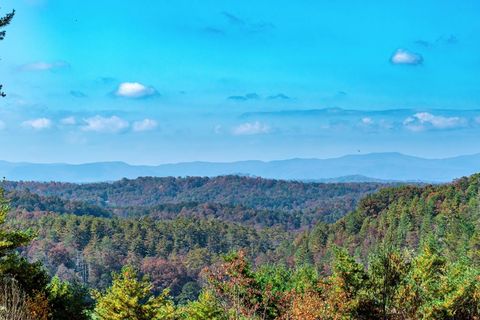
[{"x": 388, "y": 166}]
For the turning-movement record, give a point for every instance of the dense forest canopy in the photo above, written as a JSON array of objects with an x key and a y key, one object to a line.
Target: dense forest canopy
[
  {"x": 260, "y": 201},
  {"x": 257, "y": 193},
  {"x": 204, "y": 253}
]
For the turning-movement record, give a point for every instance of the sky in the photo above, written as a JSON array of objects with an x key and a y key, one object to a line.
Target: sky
[{"x": 152, "y": 82}]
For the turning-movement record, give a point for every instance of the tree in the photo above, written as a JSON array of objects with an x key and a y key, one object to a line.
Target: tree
[
  {"x": 346, "y": 290},
  {"x": 244, "y": 293},
  {"x": 9, "y": 240},
  {"x": 22, "y": 281},
  {"x": 419, "y": 294},
  {"x": 132, "y": 299},
  {"x": 68, "y": 300},
  {"x": 206, "y": 307},
  {"x": 387, "y": 268},
  {"x": 4, "y": 21},
  {"x": 13, "y": 301}
]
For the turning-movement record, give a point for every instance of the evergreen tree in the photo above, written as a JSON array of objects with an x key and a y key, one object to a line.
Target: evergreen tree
[
  {"x": 346, "y": 289},
  {"x": 206, "y": 307},
  {"x": 131, "y": 299},
  {"x": 4, "y": 21},
  {"x": 387, "y": 269},
  {"x": 9, "y": 240},
  {"x": 68, "y": 300}
]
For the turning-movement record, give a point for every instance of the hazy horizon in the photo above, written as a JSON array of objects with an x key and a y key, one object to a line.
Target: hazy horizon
[{"x": 250, "y": 160}]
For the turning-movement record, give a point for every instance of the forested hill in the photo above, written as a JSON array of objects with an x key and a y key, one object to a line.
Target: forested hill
[
  {"x": 426, "y": 239},
  {"x": 220, "y": 196},
  {"x": 405, "y": 217},
  {"x": 251, "y": 192}
]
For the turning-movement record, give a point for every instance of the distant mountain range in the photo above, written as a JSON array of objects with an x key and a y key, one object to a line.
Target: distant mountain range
[{"x": 379, "y": 167}]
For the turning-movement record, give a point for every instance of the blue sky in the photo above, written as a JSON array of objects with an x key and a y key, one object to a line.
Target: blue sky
[{"x": 170, "y": 81}]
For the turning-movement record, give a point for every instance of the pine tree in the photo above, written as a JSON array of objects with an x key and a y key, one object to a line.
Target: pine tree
[
  {"x": 420, "y": 289},
  {"x": 206, "y": 307},
  {"x": 131, "y": 299},
  {"x": 4, "y": 21},
  {"x": 9, "y": 240},
  {"x": 16, "y": 274},
  {"x": 387, "y": 269},
  {"x": 345, "y": 291},
  {"x": 68, "y": 300}
]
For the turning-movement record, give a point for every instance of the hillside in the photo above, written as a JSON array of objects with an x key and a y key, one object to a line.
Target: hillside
[
  {"x": 406, "y": 217},
  {"x": 171, "y": 196},
  {"x": 423, "y": 240}
]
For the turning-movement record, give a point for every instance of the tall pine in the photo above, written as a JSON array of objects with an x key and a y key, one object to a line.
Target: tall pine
[{"x": 131, "y": 298}]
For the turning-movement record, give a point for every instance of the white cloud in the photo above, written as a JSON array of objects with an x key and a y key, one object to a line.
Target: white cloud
[
  {"x": 422, "y": 120},
  {"x": 402, "y": 56},
  {"x": 44, "y": 66},
  {"x": 367, "y": 121},
  {"x": 111, "y": 124},
  {"x": 2, "y": 125},
  {"x": 68, "y": 121},
  {"x": 144, "y": 125},
  {"x": 251, "y": 128},
  {"x": 135, "y": 90},
  {"x": 37, "y": 124}
]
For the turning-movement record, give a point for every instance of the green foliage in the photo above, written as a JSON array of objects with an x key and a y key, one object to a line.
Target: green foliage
[
  {"x": 9, "y": 239},
  {"x": 394, "y": 286},
  {"x": 4, "y": 21},
  {"x": 348, "y": 286},
  {"x": 31, "y": 277},
  {"x": 68, "y": 300},
  {"x": 172, "y": 253},
  {"x": 25, "y": 200},
  {"x": 410, "y": 252},
  {"x": 406, "y": 217},
  {"x": 387, "y": 270},
  {"x": 131, "y": 299},
  {"x": 190, "y": 292},
  {"x": 206, "y": 307},
  {"x": 250, "y": 201}
]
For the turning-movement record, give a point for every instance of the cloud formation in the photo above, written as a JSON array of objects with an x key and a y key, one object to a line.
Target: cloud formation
[
  {"x": 233, "y": 19},
  {"x": 214, "y": 31},
  {"x": 245, "y": 25},
  {"x": 44, "y": 66},
  {"x": 367, "y": 121},
  {"x": 144, "y": 125},
  {"x": 248, "y": 96},
  {"x": 425, "y": 120},
  {"x": 111, "y": 124},
  {"x": 423, "y": 43},
  {"x": 450, "y": 39},
  {"x": 405, "y": 57},
  {"x": 279, "y": 96},
  {"x": 135, "y": 90},
  {"x": 442, "y": 40},
  {"x": 251, "y": 128},
  {"x": 37, "y": 124}
]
